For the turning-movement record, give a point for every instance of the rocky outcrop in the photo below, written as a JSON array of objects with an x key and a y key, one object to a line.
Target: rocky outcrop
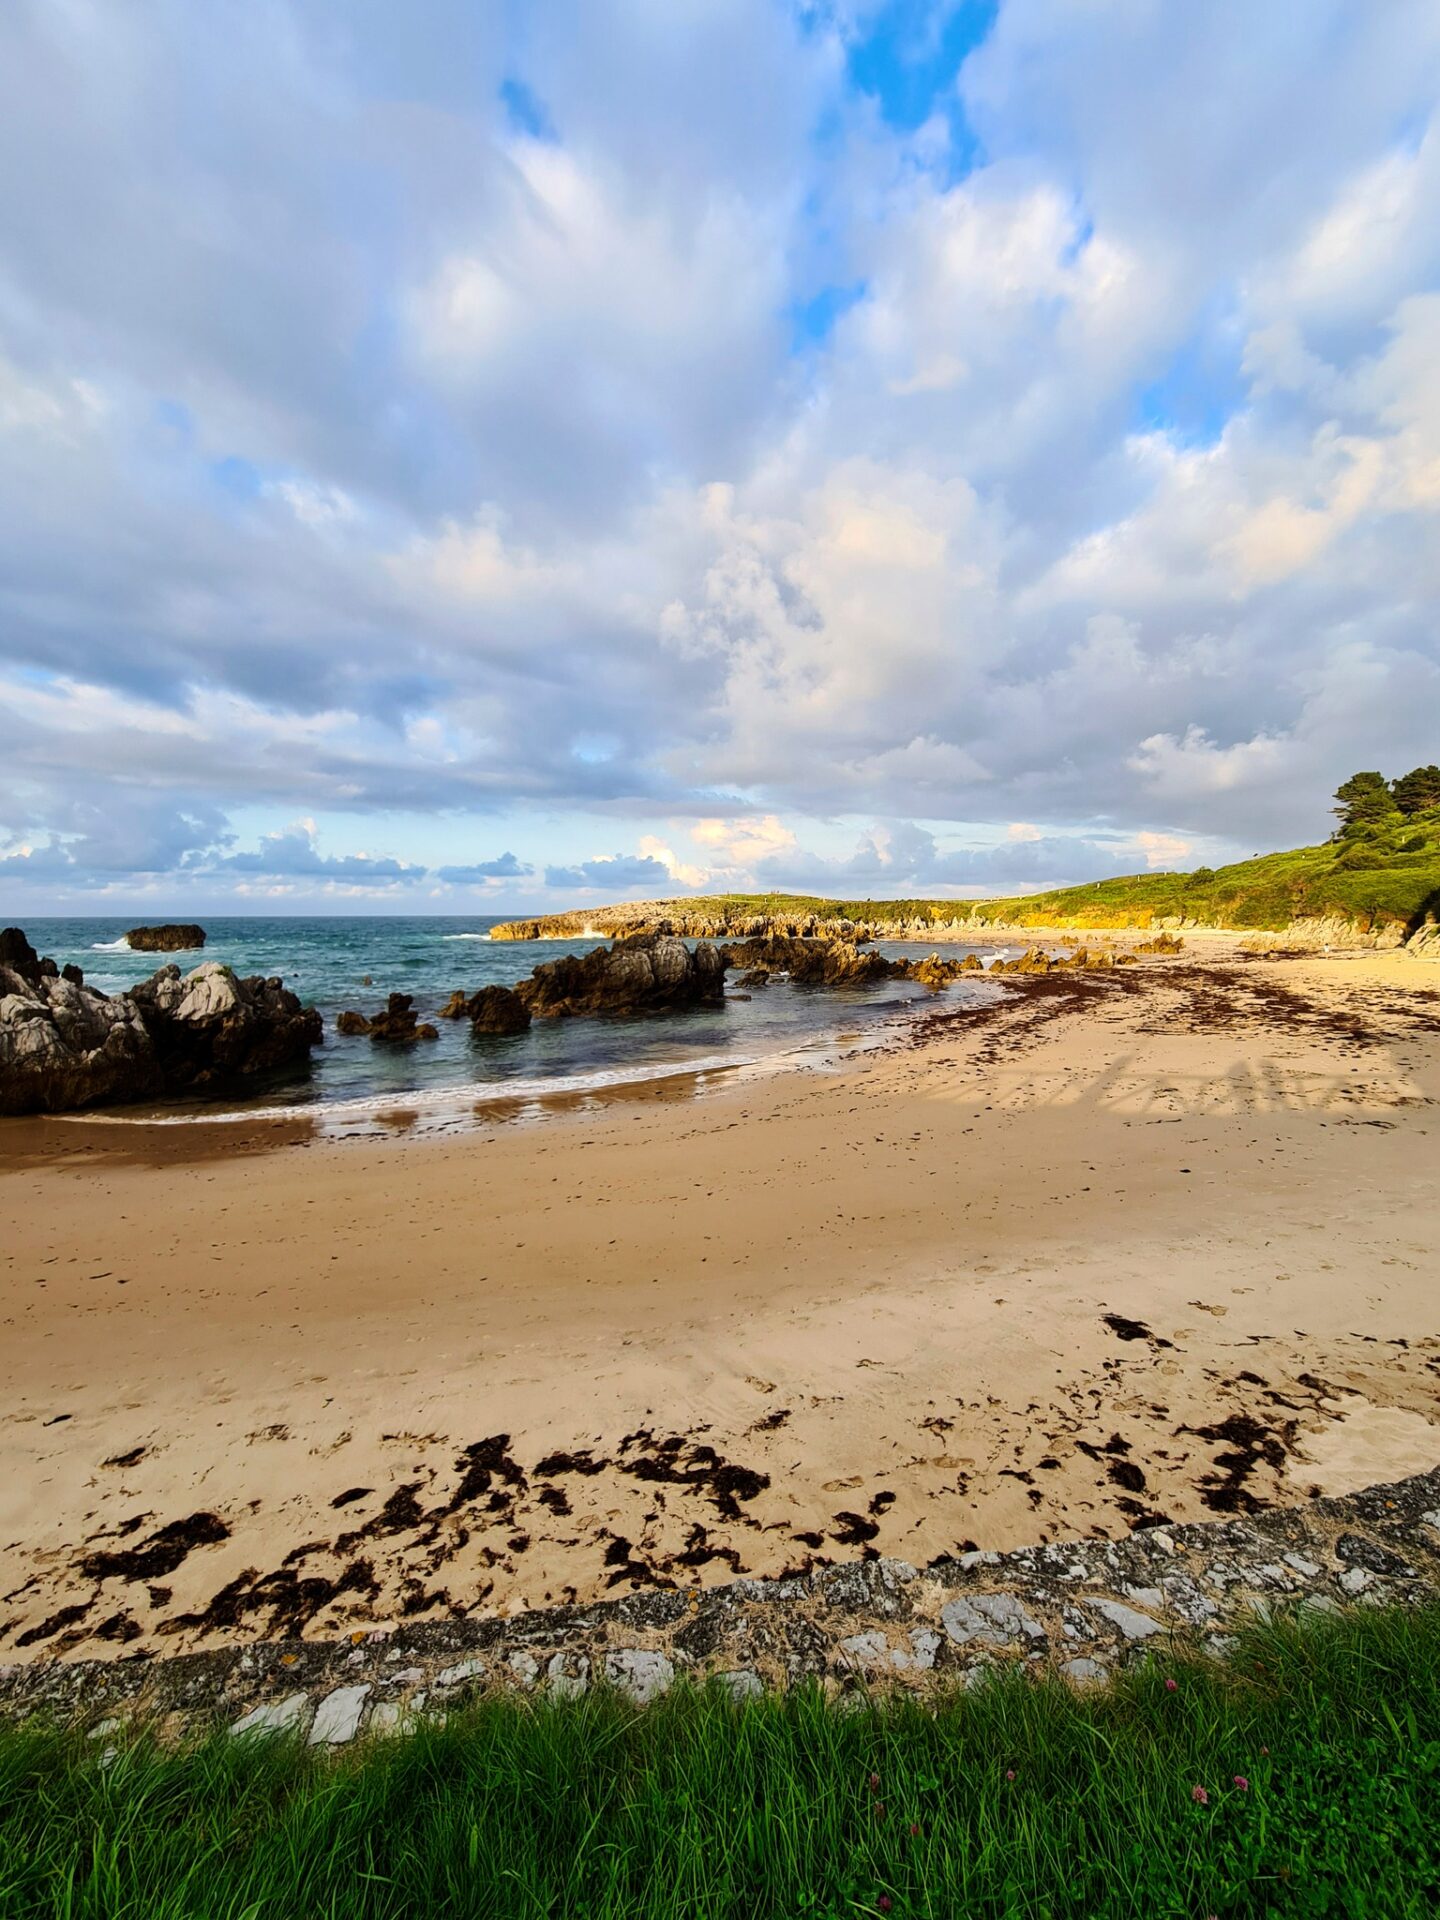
[
  {"x": 932, "y": 971},
  {"x": 1082, "y": 960},
  {"x": 814, "y": 962},
  {"x": 641, "y": 975},
  {"x": 64, "y": 1045},
  {"x": 491, "y": 1010},
  {"x": 497, "y": 1010},
  {"x": 166, "y": 939},
  {"x": 397, "y": 1024}
]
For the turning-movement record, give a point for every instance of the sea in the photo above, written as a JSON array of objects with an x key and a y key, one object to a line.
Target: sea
[{"x": 336, "y": 963}]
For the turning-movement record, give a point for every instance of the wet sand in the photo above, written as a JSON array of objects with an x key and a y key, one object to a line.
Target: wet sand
[{"x": 1159, "y": 1242}]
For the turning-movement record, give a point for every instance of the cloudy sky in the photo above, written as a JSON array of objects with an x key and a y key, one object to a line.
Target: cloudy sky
[{"x": 466, "y": 455}]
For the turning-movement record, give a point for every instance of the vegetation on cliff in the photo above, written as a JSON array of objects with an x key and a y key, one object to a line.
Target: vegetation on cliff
[
  {"x": 1301, "y": 1776},
  {"x": 1381, "y": 868}
]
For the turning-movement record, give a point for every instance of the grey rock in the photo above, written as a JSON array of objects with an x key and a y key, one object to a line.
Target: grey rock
[
  {"x": 1134, "y": 1626},
  {"x": 997, "y": 1619},
  {"x": 276, "y": 1716},
  {"x": 925, "y": 1643},
  {"x": 337, "y": 1718},
  {"x": 741, "y": 1685},
  {"x": 1307, "y": 1569},
  {"x": 639, "y": 1672},
  {"x": 867, "y": 1650},
  {"x": 1083, "y": 1668},
  {"x": 1356, "y": 1579},
  {"x": 1145, "y": 1596},
  {"x": 567, "y": 1675},
  {"x": 388, "y": 1717},
  {"x": 462, "y": 1671}
]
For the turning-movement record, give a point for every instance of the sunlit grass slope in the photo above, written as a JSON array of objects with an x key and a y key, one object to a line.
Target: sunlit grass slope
[{"x": 1385, "y": 876}]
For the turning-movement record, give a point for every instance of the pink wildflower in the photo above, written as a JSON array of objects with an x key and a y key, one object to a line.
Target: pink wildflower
[
  {"x": 1010, "y": 1773},
  {"x": 874, "y": 1781},
  {"x": 913, "y": 1828},
  {"x": 1199, "y": 1796},
  {"x": 1171, "y": 1685},
  {"x": 884, "y": 1903},
  {"x": 1242, "y": 1783}
]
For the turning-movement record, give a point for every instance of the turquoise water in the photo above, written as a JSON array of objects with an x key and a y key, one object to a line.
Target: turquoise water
[{"x": 326, "y": 961}]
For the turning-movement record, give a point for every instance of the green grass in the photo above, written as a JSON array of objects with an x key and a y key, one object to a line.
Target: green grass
[
  {"x": 1018, "y": 1799},
  {"x": 1391, "y": 875}
]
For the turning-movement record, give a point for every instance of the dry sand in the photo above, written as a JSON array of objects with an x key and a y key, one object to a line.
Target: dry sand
[{"x": 1156, "y": 1242}]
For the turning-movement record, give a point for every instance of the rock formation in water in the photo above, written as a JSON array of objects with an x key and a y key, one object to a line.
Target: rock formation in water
[
  {"x": 497, "y": 1010},
  {"x": 64, "y": 1045},
  {"x": 397, "y": 1023},
  {"x": 640, "y": 975},
  {"x": 490, "y": 1010},
  {"x": 166, "y": 939}
]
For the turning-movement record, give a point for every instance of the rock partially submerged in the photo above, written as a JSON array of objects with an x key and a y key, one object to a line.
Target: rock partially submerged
[
  {"x": 166, "y": 939},
  {"x": 397, "y": 1023},
  {"x": 496, "y": 1010},
  {"x": 642, "y": 975},
  {"x": 490, "y": 1010},
  {"x": 64, "y": 1045}
]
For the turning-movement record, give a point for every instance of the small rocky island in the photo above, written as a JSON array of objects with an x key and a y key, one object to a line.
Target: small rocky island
[
  {"x": 64, "y": 1045},
  {"x": 166, "y": 939}
]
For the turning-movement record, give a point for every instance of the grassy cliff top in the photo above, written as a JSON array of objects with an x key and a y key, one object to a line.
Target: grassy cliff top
[{"x": 1378, "y": 876}]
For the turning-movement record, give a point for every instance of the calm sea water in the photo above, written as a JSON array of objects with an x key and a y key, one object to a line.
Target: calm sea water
[{"x": 326, "y": 962}]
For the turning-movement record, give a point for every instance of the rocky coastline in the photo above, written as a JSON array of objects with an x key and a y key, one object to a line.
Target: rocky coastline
[
  {"x": 1080, "y": 1608},
  {"x": 64, "y": 1045},
  {"x": 741, "y": 923}
]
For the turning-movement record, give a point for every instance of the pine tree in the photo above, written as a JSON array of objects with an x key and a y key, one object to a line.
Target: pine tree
[
  {"x": 1415, "y": 791},
  {"x": 1365, "y": 800}
]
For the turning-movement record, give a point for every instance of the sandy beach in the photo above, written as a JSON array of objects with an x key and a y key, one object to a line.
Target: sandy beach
[{"x": 1157, "y": 1242}]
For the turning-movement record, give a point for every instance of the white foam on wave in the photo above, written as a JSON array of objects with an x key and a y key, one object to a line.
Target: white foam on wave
[
  {"x": 459, "y": 1100},
  {"x": 465, "y": 936},
  {"x": 122, "y": 945},
  {"x": 459, "y": 1094}
]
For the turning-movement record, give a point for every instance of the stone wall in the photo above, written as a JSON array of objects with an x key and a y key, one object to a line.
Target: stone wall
[{"x": 1081, "y": 1608}]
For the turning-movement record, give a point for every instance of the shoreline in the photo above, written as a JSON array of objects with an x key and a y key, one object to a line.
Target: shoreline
[{"x": 903, "y": 1308}]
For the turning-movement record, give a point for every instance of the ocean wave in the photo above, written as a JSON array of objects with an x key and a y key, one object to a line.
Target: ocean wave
[
  {"x": 122, "y": 945},
  {"x": 435, "y": 1099},
  {"x": 465, "y": 936}
]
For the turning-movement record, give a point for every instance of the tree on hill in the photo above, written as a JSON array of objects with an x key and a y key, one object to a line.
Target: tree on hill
[
  {"x": 1365, "y": 801},
  {"x": 1415, "y": 791}
]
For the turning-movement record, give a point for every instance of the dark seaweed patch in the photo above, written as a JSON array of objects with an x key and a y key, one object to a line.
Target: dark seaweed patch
[
  {"x": 1248, "y": 1442},
  {"x": 55, "y": 1623},
  {"x": 1124, "y": 1329},
  {"x": 854, "y": 1530},
  {"x": 162, "y": 1553},
  {"x": 290, "y": 1600}
]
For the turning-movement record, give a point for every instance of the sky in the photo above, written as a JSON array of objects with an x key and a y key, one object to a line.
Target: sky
[{"x": 458, "y": 458}]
